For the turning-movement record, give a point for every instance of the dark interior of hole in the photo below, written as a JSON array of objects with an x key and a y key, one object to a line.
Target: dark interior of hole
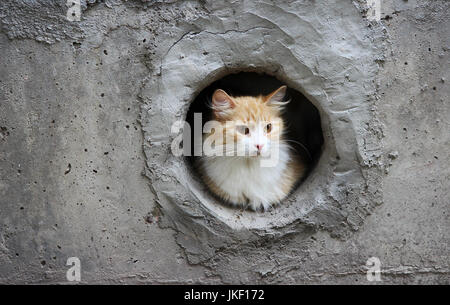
[{"x": 301, "y": 117}]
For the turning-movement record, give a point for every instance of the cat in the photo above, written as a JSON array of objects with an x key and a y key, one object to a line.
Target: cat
[{"x": 249, "y": 130}]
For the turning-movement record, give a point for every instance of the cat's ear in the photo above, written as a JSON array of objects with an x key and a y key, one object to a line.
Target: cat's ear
[
  {"x": 276, "y": 97},
  {"x": 222, "y": 103}
]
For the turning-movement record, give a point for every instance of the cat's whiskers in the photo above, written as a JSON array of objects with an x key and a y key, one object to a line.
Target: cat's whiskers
[
  {"x": 303, "y": 146},
  {"x": 231, "y": 163}
]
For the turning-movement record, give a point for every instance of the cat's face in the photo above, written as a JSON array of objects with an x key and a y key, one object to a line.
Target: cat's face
[{"x": 252, "y": 124}]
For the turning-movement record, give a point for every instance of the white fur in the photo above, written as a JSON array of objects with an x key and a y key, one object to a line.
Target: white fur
[{"x": 244, "y": 177}]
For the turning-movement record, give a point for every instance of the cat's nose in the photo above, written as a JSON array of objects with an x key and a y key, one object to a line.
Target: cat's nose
[{"x": 259, "y": 146}]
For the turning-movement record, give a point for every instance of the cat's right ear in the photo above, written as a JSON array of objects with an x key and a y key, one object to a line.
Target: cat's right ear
[
  {"x": 222, "y": 104},
  {"x": 276, "y": 97}
]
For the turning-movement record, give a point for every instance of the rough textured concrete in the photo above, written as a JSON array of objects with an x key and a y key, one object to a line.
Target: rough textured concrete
[
  {"x": 85, "y": 169},
  {"x": 338, "y": 77}
]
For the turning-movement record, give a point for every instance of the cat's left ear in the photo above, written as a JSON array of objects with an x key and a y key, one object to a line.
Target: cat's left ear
[
  {"x": 276, "y": 97},
  {"x": 222, "y": 103}
]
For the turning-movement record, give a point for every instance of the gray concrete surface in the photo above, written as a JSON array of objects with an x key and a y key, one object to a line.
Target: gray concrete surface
[{"x": 77, "y": 170}]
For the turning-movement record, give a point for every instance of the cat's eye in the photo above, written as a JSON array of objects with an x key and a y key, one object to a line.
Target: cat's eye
[
  {"x": 243, "y": 129},
  {"x": 268, "y": 128}
]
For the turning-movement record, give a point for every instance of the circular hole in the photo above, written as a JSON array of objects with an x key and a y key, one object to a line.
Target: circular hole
[{"x": 302, "y": 124}]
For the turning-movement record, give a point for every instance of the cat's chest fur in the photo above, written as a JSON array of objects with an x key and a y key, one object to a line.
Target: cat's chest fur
[{"x": 243, "y": 181}]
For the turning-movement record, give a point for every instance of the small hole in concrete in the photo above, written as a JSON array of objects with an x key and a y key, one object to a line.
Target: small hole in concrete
[{"x": 301, "y": 117}]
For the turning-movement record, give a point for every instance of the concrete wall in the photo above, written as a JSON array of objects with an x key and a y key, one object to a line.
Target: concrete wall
[{"x": 77, "y": 166}]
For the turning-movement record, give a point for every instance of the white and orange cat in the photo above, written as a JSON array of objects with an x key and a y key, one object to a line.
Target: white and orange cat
[{"x": 250, "y": 130}]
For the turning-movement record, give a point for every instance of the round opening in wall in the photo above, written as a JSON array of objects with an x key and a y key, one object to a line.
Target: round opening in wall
[{"x": 254, "y": 140}]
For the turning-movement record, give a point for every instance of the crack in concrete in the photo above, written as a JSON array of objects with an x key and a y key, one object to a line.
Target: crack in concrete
[{"x": 196, "y": 33}]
